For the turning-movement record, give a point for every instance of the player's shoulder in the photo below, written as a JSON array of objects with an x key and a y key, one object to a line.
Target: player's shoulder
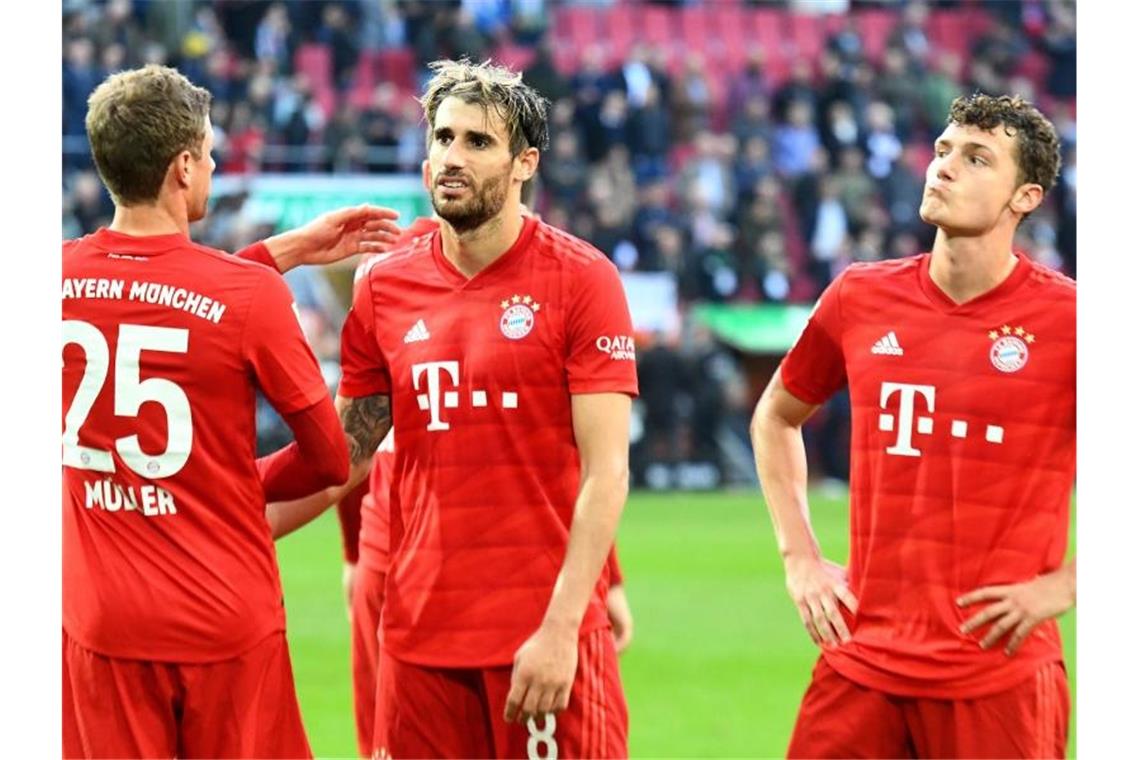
[
  {"x": 1057, "y": 284},
  {"x": 569, "y": 251},
  {"x": 881, "y": 271},
  {"x": 405, "y": 255}
]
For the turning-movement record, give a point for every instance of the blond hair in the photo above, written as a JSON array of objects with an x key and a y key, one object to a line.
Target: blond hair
[
  {"x": 137, "y": 122},
  {"x": 521, "y": 107}
]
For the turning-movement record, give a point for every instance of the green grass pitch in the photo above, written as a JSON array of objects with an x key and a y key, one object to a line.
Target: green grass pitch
[{"x": 719, "y": 659}]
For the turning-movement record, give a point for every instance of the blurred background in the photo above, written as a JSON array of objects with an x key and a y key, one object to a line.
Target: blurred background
[{"x": 730, "y": 156}]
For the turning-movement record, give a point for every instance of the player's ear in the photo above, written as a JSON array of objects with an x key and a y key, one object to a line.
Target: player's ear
[
  {"x": 425, "y": 172},
  {"x": 1026, "y": 198},
  {"x": 183, "y": 167},
  {"x": 526, "y": 164}
]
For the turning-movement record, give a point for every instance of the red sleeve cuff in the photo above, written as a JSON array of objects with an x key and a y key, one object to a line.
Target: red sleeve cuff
[{"x": 258, "y": 252}]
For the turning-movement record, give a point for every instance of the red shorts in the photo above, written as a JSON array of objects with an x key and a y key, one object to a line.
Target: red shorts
[
  {"x": 840, "y": 718},
  {"x": 367, "y": 600},
  {"x": 458, "y": 712},
  {"x": 242, "y": 707}
]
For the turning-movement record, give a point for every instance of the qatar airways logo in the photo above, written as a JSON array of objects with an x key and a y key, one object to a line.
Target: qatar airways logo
[
  {"x": 619, "y": 347},
  {"x": 915, "y": 416},
  {"x": 438, "y": 386}
]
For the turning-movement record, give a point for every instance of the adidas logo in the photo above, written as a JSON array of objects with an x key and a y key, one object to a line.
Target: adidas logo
[
  {"x": 888, "y": 344},
  {"x": 418, "y": 332}
]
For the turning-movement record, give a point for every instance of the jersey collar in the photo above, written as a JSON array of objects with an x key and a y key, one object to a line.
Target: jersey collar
[
  {"x": 943, "y": 302},
  {"x": 148, "y": 244},
  {"x": 457, "y": 279}
]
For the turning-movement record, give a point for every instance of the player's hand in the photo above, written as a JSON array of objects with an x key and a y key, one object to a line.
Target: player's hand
[
  {"x": 1020, "y": 607},
  {"x": 543, "y": 673},
  {"x": 617, "y": 606},
  {"x": 347, "y": 579},
  {"x": 818, "y": 587},
  {"x": 336, "y": 235}
]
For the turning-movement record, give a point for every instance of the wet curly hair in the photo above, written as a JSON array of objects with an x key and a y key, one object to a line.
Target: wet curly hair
[
  {"x": 521, "y": 107},
  {"x": 1038, "y": 151}
]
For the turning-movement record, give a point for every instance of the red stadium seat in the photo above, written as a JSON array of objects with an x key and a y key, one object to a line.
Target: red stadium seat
[
  {"x": 577, "y": 24},
  {"x": 398, "y": 66},
  {"x": 656, "y": 25},
  {"x": 314, "y": 60},
  {"x": 809, "y": 34},
  {"x": 515, "y": 57},
  {"x": 875, "y": 27},
  {"x": 768, "y": 29},
  {"x": 621, "y": 31}
]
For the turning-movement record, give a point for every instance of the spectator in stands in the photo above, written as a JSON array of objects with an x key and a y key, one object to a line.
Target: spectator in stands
[
  {"x": 275, "y": 41},
  {"x": 882, "y": 144},
  {"x": 909, "y": 35},
  {"x": 335, "y": 33},
  {"x": 542, "y": 75},
  {"x": 796, "y": 140}
]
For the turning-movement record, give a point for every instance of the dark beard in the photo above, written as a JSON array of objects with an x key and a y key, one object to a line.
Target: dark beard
[{"x": 485, "y": 204}]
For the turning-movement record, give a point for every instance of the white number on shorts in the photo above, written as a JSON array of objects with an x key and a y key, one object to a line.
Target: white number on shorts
[
  {"x": 130, "y": 394},
  {"x": 543, "y": 739}
]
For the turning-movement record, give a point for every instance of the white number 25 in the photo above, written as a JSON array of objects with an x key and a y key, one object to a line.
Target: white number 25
[{"x": 130, "y": 395}]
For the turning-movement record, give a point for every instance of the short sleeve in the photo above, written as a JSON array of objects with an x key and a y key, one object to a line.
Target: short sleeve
[
  {"x": 600, "y": 352},
  {"x": 258, "y": 252},
  {"x": 363, "y": 370},
  {"x": 814, "y": 368},
  {"x": 276, "y": 350}
]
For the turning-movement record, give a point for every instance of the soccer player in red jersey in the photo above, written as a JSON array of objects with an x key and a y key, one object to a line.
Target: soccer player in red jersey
[
  {"x": 939, "y": 639},
  {"x": 500, "y": 349},
  {"x": 173, "y": 623},
  {"x": 364, "y": 518}
]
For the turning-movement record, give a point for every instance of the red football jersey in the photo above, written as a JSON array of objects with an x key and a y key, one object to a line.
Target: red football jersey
[
  {"x": 167, "y": 554},
  {"x": 486, "y": 473},
  {"x": 963, "y": 452}
]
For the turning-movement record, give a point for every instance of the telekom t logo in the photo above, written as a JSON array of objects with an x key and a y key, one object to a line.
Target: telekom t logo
[
  {"x": 909, "y": 424},
  {"x": 431, "y": 375},
  {"x": 906, "y": 427},
  {"x": 430, "y": 400}
]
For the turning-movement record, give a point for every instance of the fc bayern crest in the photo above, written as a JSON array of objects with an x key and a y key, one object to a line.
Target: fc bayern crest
[
  {"x": 518, "y": 316},
  {"x": 1010, "y": 350}
]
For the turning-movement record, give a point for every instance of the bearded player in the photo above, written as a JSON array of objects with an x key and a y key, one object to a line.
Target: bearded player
[
  {"x": 173, "y": 624},
  {"x": 939, "y": 640},
  {"x": 481, "y": 344}
]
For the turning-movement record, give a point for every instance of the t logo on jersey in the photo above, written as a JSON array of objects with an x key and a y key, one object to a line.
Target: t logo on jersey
[
  {"x": 431, "y": 374},
  {"x": 906, "y": 426},
  {"x": 430, "y": 401}
]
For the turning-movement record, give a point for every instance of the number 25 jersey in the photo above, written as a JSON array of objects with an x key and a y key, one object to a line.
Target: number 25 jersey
[{"x": 167, "y": 554}]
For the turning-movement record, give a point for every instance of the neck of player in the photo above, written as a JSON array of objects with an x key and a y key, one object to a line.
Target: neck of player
[
  {"x": 160, "y": 218},
  {"x": 966, "y": 267},
  {"x": 474, "y": 250}
]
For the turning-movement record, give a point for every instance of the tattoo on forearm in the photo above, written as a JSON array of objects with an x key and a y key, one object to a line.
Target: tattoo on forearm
[{"x": 366, "y": 421}]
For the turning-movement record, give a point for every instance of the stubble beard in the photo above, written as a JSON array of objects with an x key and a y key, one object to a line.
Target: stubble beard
[{"x": 487, "y": 201}]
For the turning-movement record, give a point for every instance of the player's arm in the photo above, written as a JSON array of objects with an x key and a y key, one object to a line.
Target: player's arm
[
  {"x": 1021, "y": 607},
  {"x": 816, "y": 586},
  {"x": 364, "y": 421},
  {"x": 545, "y": 664},
  {"x": 329, "y": 238}
]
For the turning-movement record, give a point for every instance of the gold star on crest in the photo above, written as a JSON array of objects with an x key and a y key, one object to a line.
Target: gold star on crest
[
  {"x": 1029, "y": 338},
  {"x": 1019, "y": 331},
  {"x": 527, "y": 299},
  {"x": 993, "y": 334},
  {"x": 536, "y": 307},
  {"x": 504, "y": 303},
  {"x": 1006, "y": 329},
  {"x": 515, "y": 299}
]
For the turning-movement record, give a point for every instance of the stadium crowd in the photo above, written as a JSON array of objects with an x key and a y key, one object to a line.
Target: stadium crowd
[{"x": 750, "y": 149}]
